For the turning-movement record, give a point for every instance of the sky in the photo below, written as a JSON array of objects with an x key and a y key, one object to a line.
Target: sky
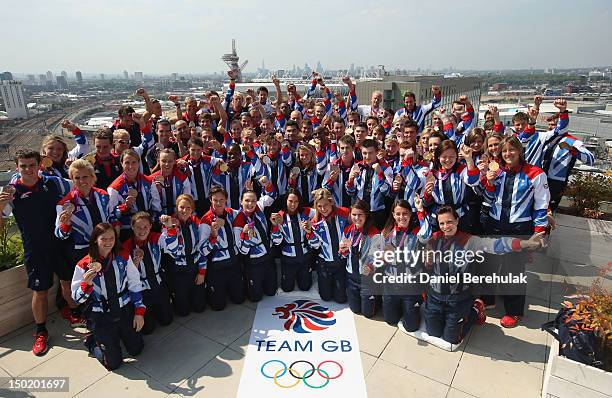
[{"x": 184, "y": 36}]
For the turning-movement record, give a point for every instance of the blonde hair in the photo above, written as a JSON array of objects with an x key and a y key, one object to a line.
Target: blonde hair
[
  {"x": 319, "y": 195},
  {"x": 188, "y": 198},
  {"x": 81, "y": 164},
  {"x": 51, "y": 139},
  {"x": 120, "y": 133}
]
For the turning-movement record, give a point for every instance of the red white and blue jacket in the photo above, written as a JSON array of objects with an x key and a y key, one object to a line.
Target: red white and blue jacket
[
  {"x": 219, "y": 248},
  {"x": 453, "y": 182},
  {"x": 206, "y": 165},
  {"x": 253, "y": 167},
  {"x": 338, "y": 187},
  {"x": 259, "y": 243},
  {"x": 81, "y": 221},
  {"x": 176, "y": 246},
  {"x": 283, "y": 235},
  {"x": 148, "y": 198},
  {"x": 526, "y": 190},
  {"x": 364, "y": 249},
  {"x": 467, "y": 123},
  {"x": 534, "y": 142},
  {"x": 127, "y": 280},
  {"x": 420, "y": 112},
  {"x": 178, "y": 183},
  {"x": 413, "y": 175},
  {"x": 154, "y": 245},
  {"x": 321, "y": 232},
  {"x": 381, "y": 185},
  {"x": 276, "y": 171},
  {"x": 559, "y": 162},
  {"x": 306, "y": 182}
]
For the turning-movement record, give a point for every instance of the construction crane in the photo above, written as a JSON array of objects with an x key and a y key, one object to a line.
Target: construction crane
[{"x": 231, "y": 60}]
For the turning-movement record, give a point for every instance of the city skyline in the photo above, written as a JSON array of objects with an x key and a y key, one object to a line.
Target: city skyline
[{"x": 191, "y": 39}]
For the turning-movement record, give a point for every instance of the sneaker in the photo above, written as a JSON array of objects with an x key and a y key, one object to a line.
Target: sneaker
[
  {"x": 65, "y": 311},
  {"x": 480, "y": 309},
  {"x": 77, "y": 321},
  {"x": 509, "y": 321},
  {"x": 40, "y": 343}
]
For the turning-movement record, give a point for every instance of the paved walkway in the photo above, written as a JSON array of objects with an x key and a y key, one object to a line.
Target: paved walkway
[{"x": 202, "y": 355}]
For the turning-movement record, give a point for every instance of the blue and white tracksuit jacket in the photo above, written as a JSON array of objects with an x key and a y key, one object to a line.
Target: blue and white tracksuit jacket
[
  {"x": 459, "y": 178},
  {"x": 468, "y": 122},
  {"x": 337, "y": 187},
  {"x": 255, "y": 246},
  {"x": 562, "y": 160},
  {"x": 154, "y": 245},
  {"x": 206, "y": 164},
  {"x": 127, "y": 280},
  {"x": 413, "y": 175},
  {"x": 180, "y": 184},
  {"x": 148, "y": 198},
  {"x": 283, "y": 234},
  {"x": 381, "y": 186},
  {"x": 175, "y": 246},
  {"x": 82, "y": 224},
  {"x": 276, "y": 171},
  {"x": 219, "y": 247},
  {"x": 526, "y": 189},
  {"x": 251, "y": 168},
  {"x": 340, "y": 219},
  {"x": 368, "y": 243},
  {"x": 534, "y": 142},
  {"x": 420, "y": 112}
]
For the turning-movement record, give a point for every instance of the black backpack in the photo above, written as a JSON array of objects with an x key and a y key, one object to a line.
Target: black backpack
[{"x": 577, "y": 345}]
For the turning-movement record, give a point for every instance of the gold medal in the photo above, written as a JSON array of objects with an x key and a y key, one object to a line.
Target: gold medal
[
  {"x": 159, "y": 178},
  {"x": 9, "y": 189},
  {"x": 223, "y": 167},
  {"x": 91, "y": 158},
  {"x": 427, "y": 156},
  {"x": 97, "y": 267},
  {"x": 493, "y": 165},
  {"x": 564, "y": 145},
  {"x": 46, "y": 162},
  {"x": 138, "y": 252},
  {"x": 132, "y": 192},
  {"x": 69, "y": 207}
]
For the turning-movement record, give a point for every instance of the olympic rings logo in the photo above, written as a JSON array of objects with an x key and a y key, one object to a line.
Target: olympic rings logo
[{"x": 294, "y": 372}]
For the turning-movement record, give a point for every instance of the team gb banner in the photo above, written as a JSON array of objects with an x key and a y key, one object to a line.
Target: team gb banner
[{"x": 301, "y": 346}]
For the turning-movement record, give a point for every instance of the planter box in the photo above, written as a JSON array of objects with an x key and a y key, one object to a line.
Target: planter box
[
  {"x": 16, "y": 300},
  {"x": 565, "y": 378}
]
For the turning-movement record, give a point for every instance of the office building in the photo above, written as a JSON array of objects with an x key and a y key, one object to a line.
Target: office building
[
  {"x": 12, "y": 97},
  {"x": 49, "y": 76},
  {"x": 6, "y": 76},
  {"x": 126, "y": 75},
  {"x": 62, "y": 83},
  {"x": 138, "y": 76},
  {"x": 79, "y": 77}
]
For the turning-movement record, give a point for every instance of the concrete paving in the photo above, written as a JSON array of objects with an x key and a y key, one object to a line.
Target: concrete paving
[{"x": 202, "y": 355}]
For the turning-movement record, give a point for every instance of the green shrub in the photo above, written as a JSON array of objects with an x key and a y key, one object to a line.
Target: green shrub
[
  {"x": 11, "y": 247},
  {"x": 588, "y": 190}
]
